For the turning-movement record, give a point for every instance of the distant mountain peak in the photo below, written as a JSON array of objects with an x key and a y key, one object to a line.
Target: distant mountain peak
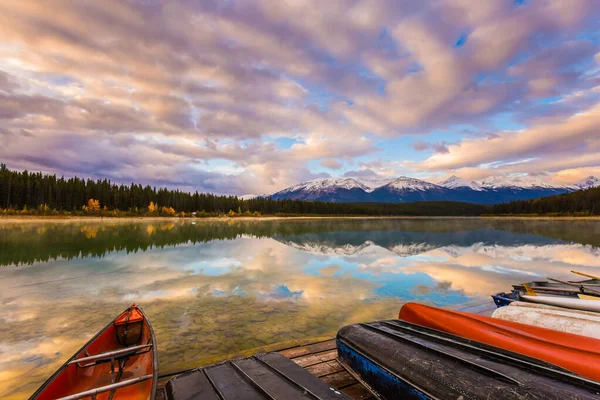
[
  {"x": 491, "y": 190},
  {"x": 405, "y": 182},
  {"x": 523, "y": 182},
  {"x": 589, "y": 182},
  {"x": 455, "y": 182}
]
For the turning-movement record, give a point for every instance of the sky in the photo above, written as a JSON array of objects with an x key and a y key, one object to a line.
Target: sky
[{"x": 252, "y": 96}]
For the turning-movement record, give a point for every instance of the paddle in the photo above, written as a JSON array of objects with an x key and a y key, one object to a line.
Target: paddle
[
  {"x": 582, "y": 288},
  {"x": 529, "y": 290},
  {"x": 586, "y": 275},
  {"x": 588, "y": 296}
]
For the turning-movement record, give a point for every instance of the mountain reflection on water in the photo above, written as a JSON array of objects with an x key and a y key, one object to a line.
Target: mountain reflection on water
[{"x": 214, "y": 289}]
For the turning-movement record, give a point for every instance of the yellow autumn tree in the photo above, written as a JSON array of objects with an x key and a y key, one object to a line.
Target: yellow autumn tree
[
  {"x": 168, "y": 211},
  {"x": 93, "y": 205},
  {"x": 151, "y": 207}
]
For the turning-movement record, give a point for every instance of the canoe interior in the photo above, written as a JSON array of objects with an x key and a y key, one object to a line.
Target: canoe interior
[
  {"x": 72, "y": 379},
  {"x": 402, "y": 360}
]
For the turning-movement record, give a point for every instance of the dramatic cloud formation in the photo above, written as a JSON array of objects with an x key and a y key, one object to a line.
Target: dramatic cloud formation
[{"x": 253, "y": 96}]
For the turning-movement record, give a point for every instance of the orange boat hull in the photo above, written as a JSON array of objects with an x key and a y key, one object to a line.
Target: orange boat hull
[
  {"x": 578, "y": 354},
  {"x": 72, "y": 378}
]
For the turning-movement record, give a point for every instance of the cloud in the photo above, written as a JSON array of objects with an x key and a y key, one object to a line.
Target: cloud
[
  {"x": 331, "y": 164},
  {"x": 419, "y": 145},
  {"x": 193, "y": 93},
  {"x": 361, "y": 173},
  {"x": 546, "y": 147}
]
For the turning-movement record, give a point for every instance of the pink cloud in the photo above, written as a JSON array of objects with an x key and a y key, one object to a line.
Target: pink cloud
[
  {"x": 178, "y": 86},
  {"x": 331, "y": 163}
]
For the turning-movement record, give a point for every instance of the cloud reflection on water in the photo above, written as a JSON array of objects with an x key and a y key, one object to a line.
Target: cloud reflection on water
[{"x": 208, "y": 298}]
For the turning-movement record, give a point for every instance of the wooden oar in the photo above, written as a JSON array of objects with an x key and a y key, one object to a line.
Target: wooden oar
[
  {"x": 582, "y": 288},
  {"x": 586, "y": 275},
  {"x": 588, "y": 297}
]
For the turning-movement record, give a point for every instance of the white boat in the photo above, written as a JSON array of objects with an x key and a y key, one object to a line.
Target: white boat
[
  {"x": 578, "y": 322},
  {"x": 563, "y": 301},
  {"x": 545, "y": 307}
]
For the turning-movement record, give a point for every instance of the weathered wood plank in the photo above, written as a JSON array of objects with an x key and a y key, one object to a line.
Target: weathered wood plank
[
  {"x": 230, "y": 383},
  {"x": 318, "y": 359},
  {"x": 323, "y": 346},
  {"x": 269, "y": 381},
  {"x": 193, "y": 384},
  {"x": 325, "y": 368},
  {"x": 295, "y": 352},
  {"x": 301, "y": 378},
  {"x": 309, "y": 349},
  {"x": 339, "y": 380},
  {"x": 357, "y": 391},
  {"x": 312, "y": 359}
]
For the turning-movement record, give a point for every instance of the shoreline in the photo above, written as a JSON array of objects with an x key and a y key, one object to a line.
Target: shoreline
[{"x": 62, "y": 219}]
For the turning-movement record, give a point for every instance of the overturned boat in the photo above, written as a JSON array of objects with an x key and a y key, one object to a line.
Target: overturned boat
[
  {"x": 120, "y": 362},
  {"x": 402, "y": 360},
  {"x": 575, "y": 353},
  {"x": 584, "y": 323}
]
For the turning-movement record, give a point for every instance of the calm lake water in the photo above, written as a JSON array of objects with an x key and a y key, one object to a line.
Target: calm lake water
[{"x": 216, "y": 289}]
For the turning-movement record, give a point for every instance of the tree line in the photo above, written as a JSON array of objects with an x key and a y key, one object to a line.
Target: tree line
[
  {"x": 49, "y": 194},
  {"x": 579, "y": 203}
]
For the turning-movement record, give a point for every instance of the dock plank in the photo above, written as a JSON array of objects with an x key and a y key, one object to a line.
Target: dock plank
[
  {"x": 309, "y": 349},
  {"x": 312, "y": 359},
  {"x": 320, "y": 359},
  {"x": 325, "y": 368},
  {"x": 339, "y": 380},
  {"x": 295, "y": 352},
  {"x": 230, "y": 384},
  {"x": 357, "y": 391},
  {"x": 301, "y": 378},
  {"x": 269, "y": 381},
  {"x": 193, "y": 384}
]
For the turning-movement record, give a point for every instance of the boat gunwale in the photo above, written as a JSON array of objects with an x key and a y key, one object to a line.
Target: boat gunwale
[{"x": 95, "y": 337}]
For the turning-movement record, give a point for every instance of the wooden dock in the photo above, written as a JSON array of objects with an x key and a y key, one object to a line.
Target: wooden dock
[{"x": 318, "y": 358}]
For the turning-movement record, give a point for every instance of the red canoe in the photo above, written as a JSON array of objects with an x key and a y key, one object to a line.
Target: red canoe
[
  {"x": 120, "y": 362},
  {"x": 578, "y": 354}
]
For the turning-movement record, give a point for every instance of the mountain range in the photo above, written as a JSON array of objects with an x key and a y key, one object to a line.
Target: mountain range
[{"x": 491, "y": 190}]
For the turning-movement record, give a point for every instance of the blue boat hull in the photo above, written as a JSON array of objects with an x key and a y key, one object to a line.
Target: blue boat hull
[
  {"x": 400, "y": 360},
  {"x": 504, "y": 299},
  {"x": 387, "y": 384}
]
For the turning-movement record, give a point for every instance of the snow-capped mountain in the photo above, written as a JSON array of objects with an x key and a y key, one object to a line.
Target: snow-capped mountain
[
  {"x": 406, "y": 183},
  {"x": 491, "y": 190},
  {"x": 588, "y": 183},
  {"x": 328, "y": 189},
  {"x": 522, "y": 182},
  {"x": 404, "y": 189},
  {"x": 454, "y": 182}
]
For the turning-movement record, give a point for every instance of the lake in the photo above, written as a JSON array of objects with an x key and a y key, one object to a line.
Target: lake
[{"x": 216, "y": 289}]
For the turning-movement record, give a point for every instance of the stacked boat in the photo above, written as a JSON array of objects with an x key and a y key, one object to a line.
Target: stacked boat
[
  {"x": 574, "y": 295},
  {"x": 542, "y": 342}
]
